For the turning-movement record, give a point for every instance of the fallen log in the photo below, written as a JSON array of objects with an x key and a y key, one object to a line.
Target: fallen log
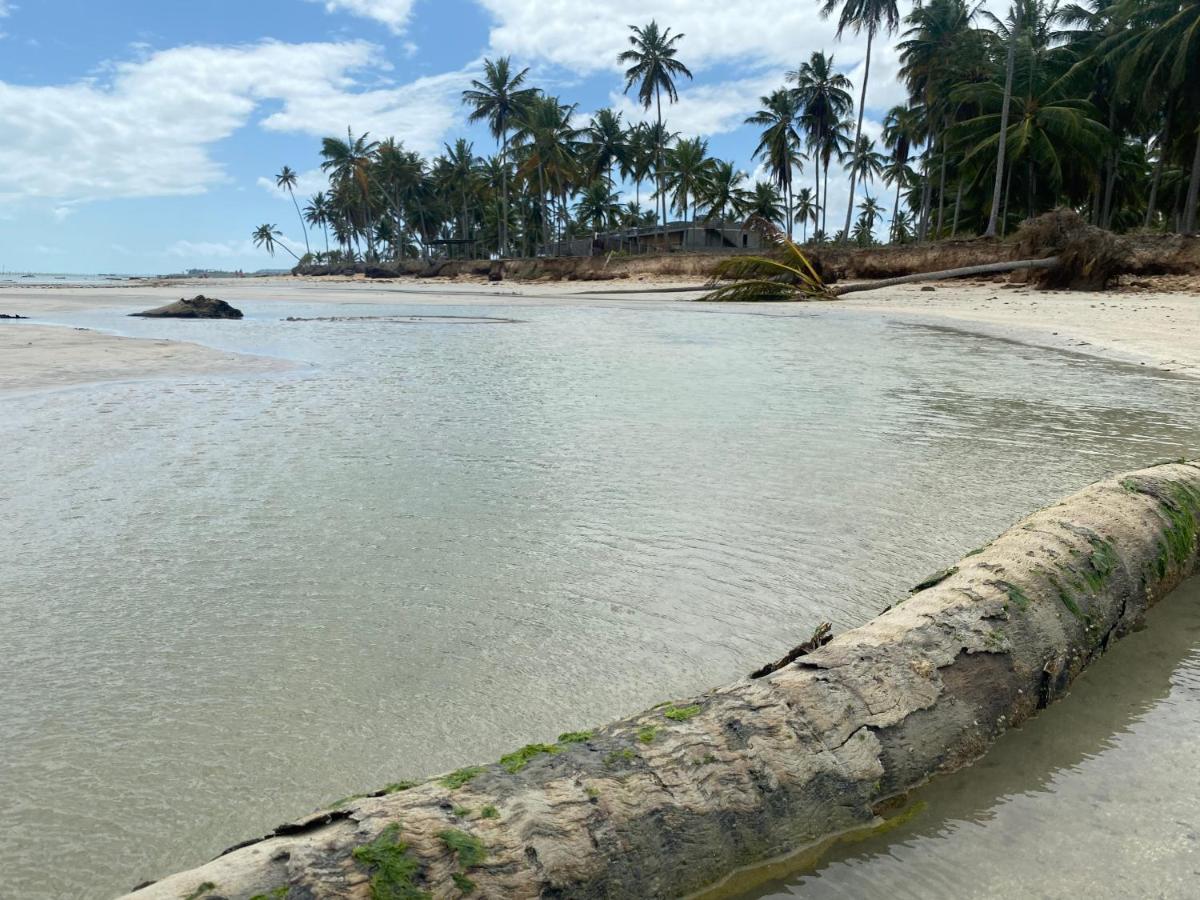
[
  {"x": 670, "y": 801},
  {"x": 964, "y": 272}
]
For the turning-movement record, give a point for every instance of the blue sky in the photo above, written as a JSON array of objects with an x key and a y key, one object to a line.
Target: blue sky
[{"x": 139, "y": 136}]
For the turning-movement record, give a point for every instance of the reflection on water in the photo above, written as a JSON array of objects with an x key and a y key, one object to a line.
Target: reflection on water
[
  {"x": 227, "y": 600},
  {"x": 1097, "y": 797}
]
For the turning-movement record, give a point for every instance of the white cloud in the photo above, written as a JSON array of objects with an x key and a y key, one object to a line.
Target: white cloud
[
  {"x": 6, "y": 8},
  {"x": 201, "y": 250},
  {"x": 772, "y": 32},
  {"x": 392, "y": 13},
  {"x": 705, "y": 109},
  {"x": 146, "y": 128}
]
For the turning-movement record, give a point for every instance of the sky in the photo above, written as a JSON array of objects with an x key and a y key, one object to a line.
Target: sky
[{"x": 142, "y": 136}]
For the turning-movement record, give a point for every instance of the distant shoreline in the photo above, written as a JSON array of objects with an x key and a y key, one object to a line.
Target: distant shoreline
[{"x": 1146, "y": 327}]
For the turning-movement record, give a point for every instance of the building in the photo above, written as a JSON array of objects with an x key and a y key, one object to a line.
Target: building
[{"x": 677, "y": 237}]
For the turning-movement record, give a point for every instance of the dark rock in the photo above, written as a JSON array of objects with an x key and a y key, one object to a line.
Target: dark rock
[
  {"x": 4, "y": 316},
  {"x": 199, "y": 307},
  {"x": 929, "y": 289},
  {"x": 496, "y": 271}
]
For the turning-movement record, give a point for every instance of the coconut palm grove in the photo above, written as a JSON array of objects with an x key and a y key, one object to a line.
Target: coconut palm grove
[{"x": 1089, "y": 106}]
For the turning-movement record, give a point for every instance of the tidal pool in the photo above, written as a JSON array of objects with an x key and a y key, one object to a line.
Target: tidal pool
[{"x": 227, "y": 601}]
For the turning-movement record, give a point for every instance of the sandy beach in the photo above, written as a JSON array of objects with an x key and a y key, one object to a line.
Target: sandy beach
[{"x": 1157, "y": 329}]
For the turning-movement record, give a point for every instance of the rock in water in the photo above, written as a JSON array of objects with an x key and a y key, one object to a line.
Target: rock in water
[{"x": 199, "y": 307}]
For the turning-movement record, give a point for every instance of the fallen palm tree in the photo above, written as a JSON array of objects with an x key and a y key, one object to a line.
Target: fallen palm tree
[
  {"x": 1058, "y": 250},
  {"x": 671, "y": 801}
]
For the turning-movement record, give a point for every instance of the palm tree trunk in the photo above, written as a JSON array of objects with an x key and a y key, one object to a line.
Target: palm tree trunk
[
  {"x": 895, "y": 211},
  {"x": 817, "y": 192},
  {"x": 941, "y": 181},
  {"x": 1193, "y": 193},
  {"x": 503, "y": 248},
  {"x": 1111, "y": 181},
  {"x": 658, "y": 165},
  {"x": 926, "y": 192},
  {"x": 300, "y": 216},
  {"x": 1158, "y": 168},
  {"x": 862, "y": 103},
  {"x": 1007, "y": 197},
  {"x": 825, "y": 210},
  {"x": 1003, "y": 142},
  {"x": 965, "y": 272},
  {"x": 957, "y": 206}
]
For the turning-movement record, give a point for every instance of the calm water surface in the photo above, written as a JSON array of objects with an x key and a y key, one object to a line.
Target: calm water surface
[{"x": 224, "y": 602}]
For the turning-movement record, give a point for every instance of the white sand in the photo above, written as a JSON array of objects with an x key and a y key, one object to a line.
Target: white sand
[
  {"x": 1154, "y": 329},
  {"x": 41, "y": 356}
]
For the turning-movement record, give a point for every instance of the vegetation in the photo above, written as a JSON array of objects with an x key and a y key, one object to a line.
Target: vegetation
[
  {"x": 469, "y": 849},
  {"x": 1089, "y": 106},
  {"x": 682, "y": 713},
  {"x": 457, "y": 779},
  {"x": 392, "y": 869},
  {"x": 516, "y": 761}
]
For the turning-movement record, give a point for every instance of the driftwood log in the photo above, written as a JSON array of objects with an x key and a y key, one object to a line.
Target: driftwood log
[{"x": 673, "y": 800}]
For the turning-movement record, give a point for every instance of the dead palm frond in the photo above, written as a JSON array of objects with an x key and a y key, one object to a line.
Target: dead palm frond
[{"x": 786, "y": 274}]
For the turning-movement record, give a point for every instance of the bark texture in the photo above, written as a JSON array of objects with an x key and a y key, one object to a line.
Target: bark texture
[{"x": 672, "y": 800}]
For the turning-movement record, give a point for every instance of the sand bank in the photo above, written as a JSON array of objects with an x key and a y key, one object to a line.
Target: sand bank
[{"x": 46, "y": 356}]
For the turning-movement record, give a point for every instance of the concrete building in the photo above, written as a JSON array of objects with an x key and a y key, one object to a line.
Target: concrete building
[{"x": 676, "y": 237}]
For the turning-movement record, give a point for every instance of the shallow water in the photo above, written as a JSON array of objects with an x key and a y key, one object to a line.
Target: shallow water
[
  {"x": 1098, "y": 797},
  {"x": 226, "y": 601}
]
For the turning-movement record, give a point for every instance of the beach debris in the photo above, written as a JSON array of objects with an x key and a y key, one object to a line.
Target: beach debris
[
  {"x": 785, "y": 274},
  {"x": 1089, "y": 258},
  {"x": 199, "y": 307}
]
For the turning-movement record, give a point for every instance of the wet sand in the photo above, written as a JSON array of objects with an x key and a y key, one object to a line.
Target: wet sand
[
  {"x": 1161, "y": 330},
  {"x": 48, "y": 356}
]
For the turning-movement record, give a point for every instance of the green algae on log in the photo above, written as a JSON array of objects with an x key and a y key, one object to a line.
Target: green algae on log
[{"x": 763, "y": 767}]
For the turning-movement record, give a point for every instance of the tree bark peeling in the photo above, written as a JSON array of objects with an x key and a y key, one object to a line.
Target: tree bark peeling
[{"x": 671, "y": 801}]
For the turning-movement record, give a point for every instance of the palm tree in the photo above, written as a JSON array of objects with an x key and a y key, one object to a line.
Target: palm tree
[
  {"x": 605, "y": 146},
  {"x": 869, "y": 16},
  {"x": 598, "y": 206},
  {"x": 1164, "y": 55},
  {"x": 349, "y": 163},
  {"x": 316, "y": 214},
  {"x": 722, "y": 192},
  {"x": 499, "y": 99},
  {"x": 286, "y": 180},
  {"x": 897, "y": 172},
  {"x": 1002, "y": 146},
  {"x": 764, "y": 201},
  {"x": 806, "y": 210},
  {"x": 866, "y": 164},
  {"x": 654, "y": 68},
  {"x": 824, "y": 95},
  {"x": 686, "y": 170},
  {"x": 870, "y": 212},
  {"x": 901, "y": 131},
  {"x": 639, "y": 156},
  {"x": 460, "y": 173},
  {"x": 1052, "y": 134},
  {"x": 835, "y": 144},
  {"x": 549, "y": 146},
  {"x": 779, "y": 144},
  {"x": 267, "y": 236}
]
